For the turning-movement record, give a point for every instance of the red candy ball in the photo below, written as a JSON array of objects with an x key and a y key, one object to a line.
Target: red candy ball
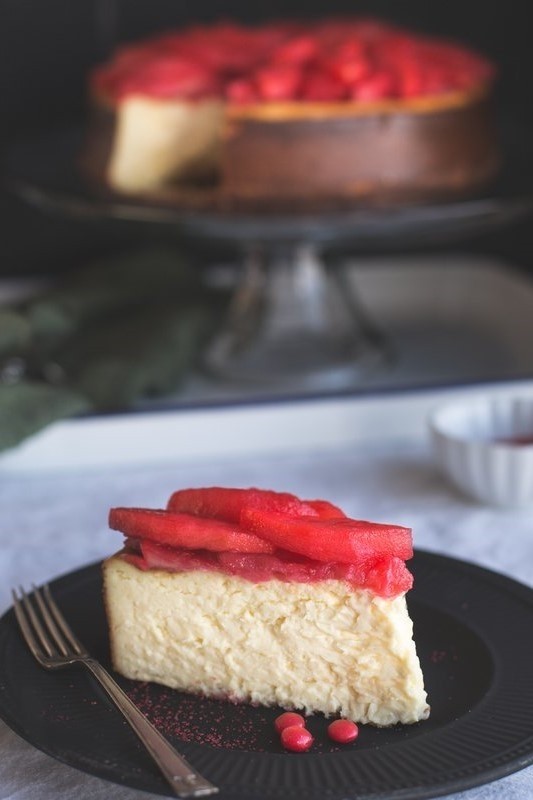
[
  {"x": 343, "y": 731},
  {"x": 289, "y": 719},
  {"x": 296, "y": 738}
]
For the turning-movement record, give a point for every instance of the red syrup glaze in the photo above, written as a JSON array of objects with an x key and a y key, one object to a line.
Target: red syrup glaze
[
  {"x": 386, "y": 577},
  {"x": 220, "y": 723},
  {"x": 518, "y": 441},
  {"x": 326, "y": 61},
  {"x": 206, "y": 721}
]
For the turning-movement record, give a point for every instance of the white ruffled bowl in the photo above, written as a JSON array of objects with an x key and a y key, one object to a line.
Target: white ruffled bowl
[{"x": 477, "y": 445}]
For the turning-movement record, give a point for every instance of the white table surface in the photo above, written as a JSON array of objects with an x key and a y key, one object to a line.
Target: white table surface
[{"x": 51, "y": 523}]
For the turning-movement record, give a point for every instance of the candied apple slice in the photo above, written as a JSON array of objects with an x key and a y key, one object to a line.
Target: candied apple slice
[
  {"x": 386, "y": 577},
  {"x": 185, "y": 530},
  {"x": 227, "y": 504},
  {"x": 159, "y": 556},
  {"x": 389, "y": 577},
  {"x": 151, "y": 555},
  {"x": 344, "y": 540}
]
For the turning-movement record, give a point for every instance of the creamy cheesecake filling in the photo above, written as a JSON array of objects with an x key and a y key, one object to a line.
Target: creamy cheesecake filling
[
  {"x": 320, "y": 646},
  {"x": 160, "y": 140}
]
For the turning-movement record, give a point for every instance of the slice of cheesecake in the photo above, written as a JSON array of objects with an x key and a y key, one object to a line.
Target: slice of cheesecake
[
  {"x": 157, "y": 141},
  {"x": 264, "y": 624}
]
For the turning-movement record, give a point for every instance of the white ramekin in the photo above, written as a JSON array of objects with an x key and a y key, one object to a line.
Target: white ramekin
[{"x": 471, "y": 444}]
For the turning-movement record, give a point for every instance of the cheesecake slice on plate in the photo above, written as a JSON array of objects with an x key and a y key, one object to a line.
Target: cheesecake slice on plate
[{"x": 257, "y": 596}]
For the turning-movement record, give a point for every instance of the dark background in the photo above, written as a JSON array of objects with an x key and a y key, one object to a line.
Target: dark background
[{"x": 47, "y": 46}]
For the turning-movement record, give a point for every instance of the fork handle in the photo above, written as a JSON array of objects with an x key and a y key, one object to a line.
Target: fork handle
[{"x": 183, "y": 779}]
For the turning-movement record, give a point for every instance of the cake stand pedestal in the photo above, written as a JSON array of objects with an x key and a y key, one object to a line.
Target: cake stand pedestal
[{"x": 293, "y": 318}]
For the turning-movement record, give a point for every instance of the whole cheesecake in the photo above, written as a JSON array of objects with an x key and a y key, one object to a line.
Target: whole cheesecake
[
  {"x": 350, "y": 108},
  {"x": 256, "y": 596}
]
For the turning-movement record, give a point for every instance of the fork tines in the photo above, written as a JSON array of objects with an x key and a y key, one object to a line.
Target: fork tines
[{"x": 44, "y": 628}]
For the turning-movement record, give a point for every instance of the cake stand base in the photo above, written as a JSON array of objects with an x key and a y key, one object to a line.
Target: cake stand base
[{"x": 294, "y": 318}]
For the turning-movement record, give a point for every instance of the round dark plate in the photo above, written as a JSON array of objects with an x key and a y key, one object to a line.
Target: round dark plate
[
  {"x": 45, "y": 170},
  {"x": 472, "y": 631}
]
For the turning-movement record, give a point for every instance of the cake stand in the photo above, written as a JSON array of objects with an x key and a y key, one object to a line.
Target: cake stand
[{"x": 293, "y": 317}]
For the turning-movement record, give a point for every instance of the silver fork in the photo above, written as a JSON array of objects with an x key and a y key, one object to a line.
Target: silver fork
[{"x": 54, "y": 645}]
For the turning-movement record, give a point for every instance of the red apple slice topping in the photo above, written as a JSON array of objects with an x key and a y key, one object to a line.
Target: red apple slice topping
[
  {"x": 329, "y": 61},
  {"x": 263, "y": 535},
  {"x": 185, "y": 531},
  {"x": 345, "y": 540},
  {"x": 228, "y": 504},
  {"x": 325, "y": 509},
  {"x": 386, "y": 577}
]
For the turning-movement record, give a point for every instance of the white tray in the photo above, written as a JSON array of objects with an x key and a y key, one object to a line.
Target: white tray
[{"x": 459, "y": 327}]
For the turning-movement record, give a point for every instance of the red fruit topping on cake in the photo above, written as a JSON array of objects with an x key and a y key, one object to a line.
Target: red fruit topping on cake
[
  {"x": 410, "y": 79},
  {"x": 228, "y": 504},
  {"x": 325, "y": 509},
  {"x": 343, "y": 731},
  {"x": 226, "y": 47},
  {"x": 263, "y": 535},
  {"x": 170, "y": 76},
  {"x": 387, "y": 577},
  {"x": 242, "y": 91},
  {"x": 291, "y": 60},
  {"x": 279, "y": 82},
  {"x": 296, "y": 739},
  {"x": 351, "y": 62},
  {"x": 378, "y": 86},
  {"x": 344, "y": 540},
  {"x": 185, "y": 530},
  {"x": 288, "y": 719},
  {"x": 322, "y": 86},
  {"x": 147, "y": 555},
  {"x": 298, "y": 51}
]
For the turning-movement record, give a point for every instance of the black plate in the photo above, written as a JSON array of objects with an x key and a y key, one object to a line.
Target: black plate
[
  {"x": 44, "y": 170},
  {"x": 472, "y": 629}
]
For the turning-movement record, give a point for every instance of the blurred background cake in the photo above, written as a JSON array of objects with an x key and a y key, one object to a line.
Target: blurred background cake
[
  {"x": 47, "y": 62},
  {"x": 341, "y": 107}
]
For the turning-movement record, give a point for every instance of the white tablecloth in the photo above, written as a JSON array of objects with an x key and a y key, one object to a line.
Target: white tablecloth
[{"x": 53, "y": 523}]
